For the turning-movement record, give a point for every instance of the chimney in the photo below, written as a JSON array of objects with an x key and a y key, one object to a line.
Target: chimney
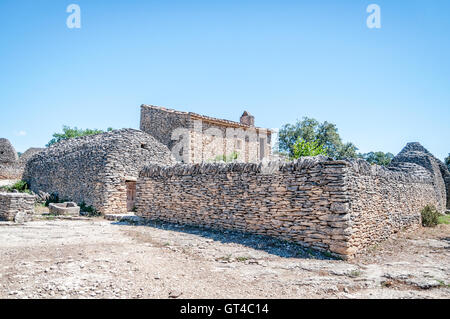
[{"x": 247, "y": 119}]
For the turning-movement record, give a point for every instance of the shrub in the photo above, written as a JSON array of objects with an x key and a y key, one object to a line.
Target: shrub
[
  {"x": 444, "y": 219},
  {"x": 378, "y": 158},
  {"x": 303, "y": 148},
  {"x": 224, "y": 158},
  {"x": 20, "y": 186},
  {"x": 430, "y": 216},
  {"x": 91, "y": 211}
]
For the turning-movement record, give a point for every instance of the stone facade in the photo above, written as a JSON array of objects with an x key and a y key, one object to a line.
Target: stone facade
[
  {"x": 195, "y": 138},
  {"x": 95, "y": 169},
  {"x": 336, "y": 206},
  {"x": 13, "y": 205}
]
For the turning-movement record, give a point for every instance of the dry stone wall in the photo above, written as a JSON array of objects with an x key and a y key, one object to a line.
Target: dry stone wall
[
  {"x": 94, "y": 169},
  {"x": 383, "y": 202},
  {"x": 335, "y": 206},
  {"x": 13, "y": 205}
]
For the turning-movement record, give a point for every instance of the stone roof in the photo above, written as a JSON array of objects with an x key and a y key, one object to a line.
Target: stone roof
[
  {"x": 105, "y": 143},
  {"x": 205, "y": 118}
]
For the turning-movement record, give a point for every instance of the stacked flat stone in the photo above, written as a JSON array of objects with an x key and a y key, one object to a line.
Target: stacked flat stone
[
  {"x": 13, "y": 205},
  {"x": 93, "y": 169},
  {"x": 384, "y": 201},
  {"x": 336, "y": 206}
]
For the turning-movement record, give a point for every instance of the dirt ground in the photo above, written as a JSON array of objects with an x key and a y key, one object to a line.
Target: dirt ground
[{"x": 103, "y": 259}]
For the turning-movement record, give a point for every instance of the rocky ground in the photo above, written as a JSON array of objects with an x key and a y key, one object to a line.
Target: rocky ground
[{"x": 102, "y": 259}]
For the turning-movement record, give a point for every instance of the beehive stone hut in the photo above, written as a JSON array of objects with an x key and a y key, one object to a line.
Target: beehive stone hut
[
  {"x": 7, "y": 152},
  {"x": 417, "y": 160},
  {"x": 98, "y": 170},
  {"x": 28, "y": 154},
  {"x": 9, "y": 166}
]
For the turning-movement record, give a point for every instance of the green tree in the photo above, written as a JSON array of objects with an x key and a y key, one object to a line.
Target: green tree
[
  {"x": 304, "y": 148},
  {"x": 378, "y": 158},
  {"x": 69, "y": 132},
  {"x": 310, "y": 130},
  {"x": 447, "y": 161}
]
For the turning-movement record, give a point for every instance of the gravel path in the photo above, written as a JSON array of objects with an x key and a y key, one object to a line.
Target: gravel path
[{"x": 103, "y": 259}]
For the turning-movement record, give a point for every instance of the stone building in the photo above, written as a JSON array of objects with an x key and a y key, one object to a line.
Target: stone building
[
  {"x": 195, "y": 138},
  {"x": 417, "y": 160},
  {"x": 98, "y": 170},
  {"x": 11, "y": 165},
  {"x": 7, "y": 152},
  {"x": 9, "y": 161}
]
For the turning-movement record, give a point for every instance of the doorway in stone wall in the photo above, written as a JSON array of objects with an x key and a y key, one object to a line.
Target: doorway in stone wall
[{"x": 131, "y": 195}]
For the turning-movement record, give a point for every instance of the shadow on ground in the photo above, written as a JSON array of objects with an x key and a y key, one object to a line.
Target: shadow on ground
[{"x": 268, "y": 244}]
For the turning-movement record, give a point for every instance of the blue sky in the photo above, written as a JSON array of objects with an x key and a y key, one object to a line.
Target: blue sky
[{"x": 280, "y": 60}]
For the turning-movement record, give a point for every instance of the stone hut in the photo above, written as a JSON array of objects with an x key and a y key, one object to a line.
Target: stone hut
[
  {"x": 28, "y": 154},
  {"x": 9, "y": 166},
  {"x": 98, "y": 170},
  {"x": 7, "y": 152},
  {"x": 417, "y": 160},
  {"x": 195, "y": 138}
]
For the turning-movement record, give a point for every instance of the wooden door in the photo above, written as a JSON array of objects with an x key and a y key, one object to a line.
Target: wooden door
[{"x": 131, "y": 196}]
